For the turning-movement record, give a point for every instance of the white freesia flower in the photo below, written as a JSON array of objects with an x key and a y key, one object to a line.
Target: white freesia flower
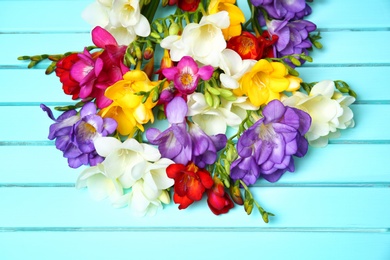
[
  {"x": 216, "y": 120},
  {"x": 204, "y": 42},
  {"x": 328, "y": 109},
  {"x": 126, "y": 161},
  {"x": 122, "y": 18},
  {"x": 100, "y": 184},
  {"x": 234, "y": 68},
  {"x": 129, "y": 165},
  {"x": 149, "y": 192}
]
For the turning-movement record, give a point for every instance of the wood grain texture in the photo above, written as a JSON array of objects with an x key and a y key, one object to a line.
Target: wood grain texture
[{"x": 335, "y": 206}]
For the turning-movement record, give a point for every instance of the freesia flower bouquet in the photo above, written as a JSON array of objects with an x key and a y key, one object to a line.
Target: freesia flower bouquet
[{"x": 201, "y": 101}]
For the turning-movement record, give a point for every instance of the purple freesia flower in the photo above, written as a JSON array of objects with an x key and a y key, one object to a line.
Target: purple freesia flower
[
  {"x": 284, "y": 9},
  {"x": 266, "y": 149},
  {"x": 293, "y": 36},
  {"x": 205, "y": 147},
  {"x": 74, "y": 134},
  {"x": 182, "y": 146}
]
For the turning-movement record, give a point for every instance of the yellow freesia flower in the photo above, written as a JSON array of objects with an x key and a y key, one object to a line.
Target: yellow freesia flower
[
  {"x": 265, "y": 81},
  {"x": 236, "y": 16},
  {"x": 127, "y": 107}
]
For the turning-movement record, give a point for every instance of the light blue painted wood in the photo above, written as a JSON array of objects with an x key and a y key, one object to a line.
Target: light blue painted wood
[
  {"x": 333, "y": 206},
  {"x": 326, "y": 14},
  {"x": 350, "y": 208},
  {"x": 349, "y": 165},
  {"x": 160, "y": 245}
]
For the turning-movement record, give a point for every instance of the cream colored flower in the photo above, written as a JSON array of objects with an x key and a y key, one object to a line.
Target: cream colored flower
[
  {"x": 204, "y": 42},
  {"x": 122, "y": 18},
  {"x": 215, "y": 121},
  {"x": 328, "y": 109}
]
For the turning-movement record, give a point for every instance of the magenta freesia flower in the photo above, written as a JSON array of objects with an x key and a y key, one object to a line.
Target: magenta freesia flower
[
  {"x": 182, "y": 146},
  {"x": 74, "y": 134},
  {"x": 97, "y": 71},
  {"x": 266, "y": 149},
  {"x": 186, "y": 74}
]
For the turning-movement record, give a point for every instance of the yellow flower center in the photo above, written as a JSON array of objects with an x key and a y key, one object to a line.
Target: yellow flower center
[
  {"x": 90, "y": 128},
  {"x": 128, "y": 7},
  {"x": 246, "y": 45},
  {"x": 186, "y": 79}
]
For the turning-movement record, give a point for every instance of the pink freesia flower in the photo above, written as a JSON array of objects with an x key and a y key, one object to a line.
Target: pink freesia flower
[
  {"x": 186, "y": 75},
  {"x": 97, "y": 71}
]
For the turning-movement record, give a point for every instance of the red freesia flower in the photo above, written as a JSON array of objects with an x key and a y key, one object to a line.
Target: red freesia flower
[
  {"x": 218, "y": 200},
  {"x": 266, "y": 43},
  {"x": 69, "y": 85},
  {"x": 246, "y": 45},
  {"x": 190, "y": 183},
  {"x": 188, "y": 5},
  {"x": 250, "y": 47}
]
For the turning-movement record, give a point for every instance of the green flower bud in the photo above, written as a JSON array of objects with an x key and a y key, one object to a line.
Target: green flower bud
[
  {"x": 23, "y": 57},
  {"x": 235, "y": 194},
  {"x": 159, "y": 27},
  {"x": 165, "y": 2},
  {"x": 265, "y": 217},
  {"x": 230, "y": 98},
  {"x": 174, "y": 29},
  {"x": 155, "y": 35},
  {"x": 213, "y": 91},
  {"x": 225, "y": 93},
  {"x": 317, "y": 44},
  {"x": 51, "y": 68},
  {"x": 209, "y": 98},
  {"x": 248, "y": 206},
  {"x": 138, "y": 52},
  {"x": 295, "y": 61},
  {"x": 216, "y": 101}
]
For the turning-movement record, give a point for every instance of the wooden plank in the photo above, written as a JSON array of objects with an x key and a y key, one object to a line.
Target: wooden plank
[
  {"x": 177, "y": 244},
  {"x": 353, "y": 164},
  {"x": 54, "y": 15},
  {"x": 369, "y": 117},
  {"x": 360, "y": 79},
  {"x": 294, "y": 207}
]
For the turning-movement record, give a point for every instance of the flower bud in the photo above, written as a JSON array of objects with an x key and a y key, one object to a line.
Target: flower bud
[
  {"x": 159, "y": 27},
  {"x": 209, "y": 98},
  {"x": 216, "y": 101},
  {"x": 148, "y": 53},
  {"x": 235, "y": 193},
  {"x": 174, "y": 29},
  {"x": 230, "y": 98},
  {"x": 164, "y": 197},
  {"x": 248, "y": 206},
  {"x": 225, "y": 92},
  {"x": 265, "y": 217},
  {"x": 155, "y": 35},
  {"x": 295, "y": 61},
  {"x": 138, "y": 52},
  {"x": 213, "y": 91},
  {"x": 317, "y": 44}
]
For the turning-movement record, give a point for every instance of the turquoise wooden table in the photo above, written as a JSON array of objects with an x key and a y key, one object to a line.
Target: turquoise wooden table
[{"x": 335, "y": 206}]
